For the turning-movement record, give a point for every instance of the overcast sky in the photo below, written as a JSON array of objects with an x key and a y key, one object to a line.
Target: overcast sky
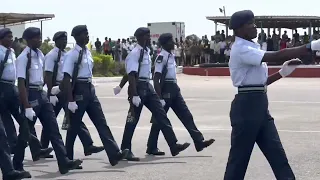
[{"x": 120, "y": 18}]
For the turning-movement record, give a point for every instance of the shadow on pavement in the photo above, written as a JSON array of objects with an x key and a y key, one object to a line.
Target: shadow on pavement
[
  {"x": 148, "y": 160},
  {"x": 52, "y": 175}
]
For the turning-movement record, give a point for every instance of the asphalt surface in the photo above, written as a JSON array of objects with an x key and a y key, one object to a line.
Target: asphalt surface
[{"x": 294, "y": 103}]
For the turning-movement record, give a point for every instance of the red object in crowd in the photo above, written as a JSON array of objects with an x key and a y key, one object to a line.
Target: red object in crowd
[{"x": 283, "y": 44}]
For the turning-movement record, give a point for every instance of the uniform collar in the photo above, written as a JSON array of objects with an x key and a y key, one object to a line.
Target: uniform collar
[
  {"x": 4, "y": 49},
  {"x": 78, "y": 48},
  {"x": 140, "y": 47},
  {"x": 56, "y": 49},
  {"x": 240, "y": 40},
  {"x": 165, "y": 53},
  {"x": 33, "y": 53}
]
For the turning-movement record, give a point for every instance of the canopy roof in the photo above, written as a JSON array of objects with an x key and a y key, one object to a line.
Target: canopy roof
[
  {"x": 15, "y": 18},
  {"x": 290, "y": 22}
]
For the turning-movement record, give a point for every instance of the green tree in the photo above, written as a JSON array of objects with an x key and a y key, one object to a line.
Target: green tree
[{"x": 46, "y": 46}]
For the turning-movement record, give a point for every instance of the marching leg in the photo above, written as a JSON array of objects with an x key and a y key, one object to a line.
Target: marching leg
[{"x": 270, "y": 144}]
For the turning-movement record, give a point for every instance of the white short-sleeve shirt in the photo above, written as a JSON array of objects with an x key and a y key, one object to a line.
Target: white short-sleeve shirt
[
  {"x": 50, "y": 60},
  {"x": 132, "y": 62},
  {"x": 165, "y": 58},
  {"x": 245, "y": 64},
  {"x": 86, "y": 65},
  {"x": 9, "y": 71},
  {"x": 36, "y": 66}
]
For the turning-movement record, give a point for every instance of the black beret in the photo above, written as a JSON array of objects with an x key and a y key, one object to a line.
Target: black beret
[
  {"x": 31, "y": 32},
  {"x": 164, "y": 38},
  {"x": 240, "y": 18},
  {"x": 78, "y": 30},
  {"x": 4, "y": 32},
  {"x": 141, "y": 32},
  {"x": 59, "y": 34}
]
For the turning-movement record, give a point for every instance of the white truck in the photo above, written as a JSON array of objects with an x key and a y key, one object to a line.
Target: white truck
[{"x": 177, "y": 29}]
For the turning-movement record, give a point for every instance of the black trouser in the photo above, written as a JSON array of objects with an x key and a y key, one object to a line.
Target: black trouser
[
  {"x": 44, "y": 111},
  {"x": 10, "y": 105},
  {"x": 87, "y": 101},
  {"x": 83, "y": 134},
  {"x": 174, "y": 100},
  {"x": 150, "y": 99},
  {"x": 5, "y": 158},
  {"x": 251, "y": 123}
]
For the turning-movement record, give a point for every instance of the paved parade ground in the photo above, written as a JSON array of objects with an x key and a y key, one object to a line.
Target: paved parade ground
[{"x": 294, "y": 103}]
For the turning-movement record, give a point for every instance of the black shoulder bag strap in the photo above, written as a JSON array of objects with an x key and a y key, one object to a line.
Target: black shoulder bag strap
[
  {"x": 55, "y": 69},
  {"x": 164, "y": 72},
  {"x": 3, "y": 63}
]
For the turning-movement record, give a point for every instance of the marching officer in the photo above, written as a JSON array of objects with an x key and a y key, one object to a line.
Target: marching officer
[
  {"x": 82, "y": 98},
  {"x": 165, "y": 84},
  {"x": 141, "y": 92},
  {"x": 53, "y": 77},
  {"x": 249, "y": 115},
  {"x": 8, "y": 171},
  {"x": 10, "y": 103},
  {"x": 35, "y": 102}
]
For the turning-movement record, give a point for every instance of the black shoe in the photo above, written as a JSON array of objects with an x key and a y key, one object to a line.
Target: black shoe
[
  {"x": 93, "y": 149},
  {"x": 79, "y": 167},
  {"x": 42, "y": 154},
  {"x": 204, "y": 144},
  {"x": 179, "y": 148},
  {"x": 50, "y": 156},
  {"x": 72, "y": 164},
  {"x": 119, "y": 157},
  {"x": 17, "y": 175},
  {"x": 131, "y": 157},
  {"x": 155, "y": 152}
]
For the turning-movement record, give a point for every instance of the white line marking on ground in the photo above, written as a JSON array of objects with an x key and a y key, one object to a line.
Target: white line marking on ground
[
  {"x": 222, "y": 100},
  {"x": 200, "y": 128}
]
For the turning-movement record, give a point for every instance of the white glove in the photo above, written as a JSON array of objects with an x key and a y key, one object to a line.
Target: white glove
[
  {"x": 72, "y": 106},
  {"x": 287, "y": 69},
  {"x": 163, "y": 102},
  {"x": 29, "y": 113},
  {"x": 136, "y": 100},
  {"x": 117, "y": 90},
  {"x": 55, "y": 90},
  {"x": 315, "y": 45},
  {"x": 54, "y": 100}
]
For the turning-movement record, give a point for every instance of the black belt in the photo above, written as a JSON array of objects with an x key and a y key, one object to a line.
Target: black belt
[
  {"x": 8, "y": 82},
  {"x": 84, "y": 80},
  {"x": 252, "y": 89},
  {"x": 143, "y": 79},
  {"x": 170, "y": 80},
  {"x": 36, "y": 87}
]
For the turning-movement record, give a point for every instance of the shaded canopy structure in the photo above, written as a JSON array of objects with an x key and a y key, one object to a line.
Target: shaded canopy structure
[
  {"x": 289, "y": 22},
  {"x": 9, "y": 19}
]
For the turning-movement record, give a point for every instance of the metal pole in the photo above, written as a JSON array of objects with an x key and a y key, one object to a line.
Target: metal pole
[
  {"x": 41, "y": 29},
  {"x": 227, "y": 27},
  {"x": 215, "y": 27}
]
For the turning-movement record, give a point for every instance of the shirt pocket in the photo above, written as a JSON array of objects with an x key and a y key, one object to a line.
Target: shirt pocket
[
  {"x": 145, "y": 61},
  {"x": 34, "y": 66}
]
